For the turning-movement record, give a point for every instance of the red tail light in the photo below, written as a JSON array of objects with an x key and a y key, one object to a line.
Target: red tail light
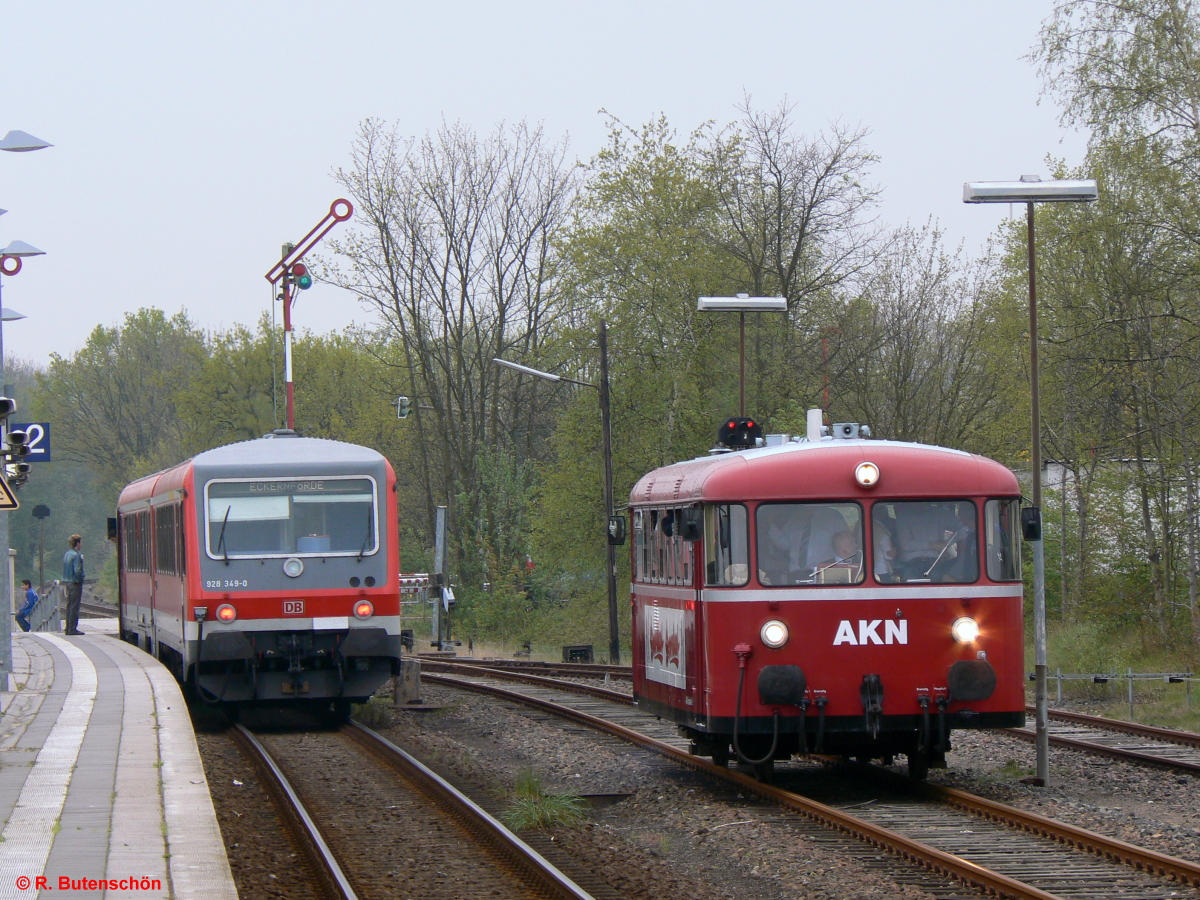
[
  {"x": 226, "y": 613},
  {"x": 363, "y": 609}
]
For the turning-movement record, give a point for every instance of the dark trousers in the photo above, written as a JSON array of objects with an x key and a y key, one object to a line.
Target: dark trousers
[
  {"x": 23, "y": 620},
  {"x": 74, "y": 595}
]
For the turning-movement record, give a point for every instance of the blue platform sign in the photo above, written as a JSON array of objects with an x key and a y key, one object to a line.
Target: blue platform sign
[{"x": 39, "y": 440}]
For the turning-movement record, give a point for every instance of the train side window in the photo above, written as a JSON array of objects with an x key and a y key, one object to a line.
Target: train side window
[
  {"x": 640, "y": 561},
  {"x": 726, "y": 545},
  {"x": 810, "y": 544},
  {"x": 919, "y": 541},
  {"x": 1002, "y": 520},
  {"x": 136, "y": 530}
]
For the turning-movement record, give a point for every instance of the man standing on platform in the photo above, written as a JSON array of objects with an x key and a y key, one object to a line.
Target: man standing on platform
[{"x": 73, "y": 582}]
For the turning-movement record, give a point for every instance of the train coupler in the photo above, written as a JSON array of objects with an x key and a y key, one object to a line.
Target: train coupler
[{"x": 871, "y": 694}]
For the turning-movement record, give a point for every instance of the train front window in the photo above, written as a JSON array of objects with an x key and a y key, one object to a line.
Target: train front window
[
  {"x": 320, "y": 516},
  {"x": 1002, "y": 522},
  {"x": 810, "y": 543},
  {"x": 922, "y": 541}
]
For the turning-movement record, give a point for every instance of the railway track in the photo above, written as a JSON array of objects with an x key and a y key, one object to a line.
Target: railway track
[
  {"x": 1128, "y": 741},
  {"x": 1162, "y": 747},
  {"x": 421, "y": 836},
  {"x": 992, "y": 847}
]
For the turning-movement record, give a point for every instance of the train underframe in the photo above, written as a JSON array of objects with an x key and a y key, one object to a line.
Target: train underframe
[
  {"x": 247, "y": 667},
  {"x": 758, "y": 741}
]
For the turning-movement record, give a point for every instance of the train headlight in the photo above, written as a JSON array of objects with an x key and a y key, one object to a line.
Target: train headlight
[
  {"x": 226, "y": 613},
  {"x": 363, "y": 609},
  {"x": 866, "y": 474},
  {"x": 965, "y": 630},
  {"x": 292, "y": 567},
  {"x": 774, "y": 634}
]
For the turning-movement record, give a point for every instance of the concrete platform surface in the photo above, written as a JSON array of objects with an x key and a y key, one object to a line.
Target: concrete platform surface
[{"x": 102, "y": 792}]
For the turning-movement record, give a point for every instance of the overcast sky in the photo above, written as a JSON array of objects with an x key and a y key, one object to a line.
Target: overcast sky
[{"x": 192, "y": 139}]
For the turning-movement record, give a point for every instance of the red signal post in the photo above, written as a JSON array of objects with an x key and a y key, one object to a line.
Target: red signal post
[{"x": 294, "y": 273}]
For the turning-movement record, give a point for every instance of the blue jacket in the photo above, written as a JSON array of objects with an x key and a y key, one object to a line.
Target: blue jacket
[
  {"x": 31, "y": 599},
  {"x": 73, "y": 566}
]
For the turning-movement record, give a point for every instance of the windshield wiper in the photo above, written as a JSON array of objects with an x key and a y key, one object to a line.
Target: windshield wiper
[
  {"x": 221, "y": 540},
  {"x": 366, "y": 540}
]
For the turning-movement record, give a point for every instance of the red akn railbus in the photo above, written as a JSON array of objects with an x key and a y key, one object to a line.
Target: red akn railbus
[{"x": 840, "y": 595}]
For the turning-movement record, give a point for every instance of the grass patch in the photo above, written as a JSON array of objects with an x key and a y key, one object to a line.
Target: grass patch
[
  {"x": 532, "y": 807},
  {"x": 375, "y": 713},
  {"x": 1012, "y": 769}
]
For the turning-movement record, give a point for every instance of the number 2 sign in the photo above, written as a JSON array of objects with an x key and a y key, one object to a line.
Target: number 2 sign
[{"x": 39, "y": 440}]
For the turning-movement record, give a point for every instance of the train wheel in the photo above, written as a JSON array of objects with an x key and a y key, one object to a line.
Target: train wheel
[
  {"x": 720, "y": 754},
  {"x": 918, "y": 765}
]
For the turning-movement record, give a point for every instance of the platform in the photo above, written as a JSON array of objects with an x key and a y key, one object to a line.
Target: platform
[{"x": 100, "y": 777}]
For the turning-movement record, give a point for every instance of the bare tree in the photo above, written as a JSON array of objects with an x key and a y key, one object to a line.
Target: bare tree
[
  {"x": 455, "y": 249},
  {"x": 922, "y": 372},
  {"x": 791, "y": 208}
]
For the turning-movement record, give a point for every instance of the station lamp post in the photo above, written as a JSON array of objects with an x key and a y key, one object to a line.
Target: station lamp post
[
  {"x": 1031, "y": 190},
  {"x": 10, "y": 264},
  {"x": 614, "y": 528},
  {"x": 743, "y": 303}
]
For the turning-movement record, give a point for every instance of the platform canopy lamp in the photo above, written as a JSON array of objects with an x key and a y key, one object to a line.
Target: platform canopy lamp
[
  {"x": 1031, "y": 190},
  {"x": 743, "y": 303},
  {"x": 615, "y": 525}
]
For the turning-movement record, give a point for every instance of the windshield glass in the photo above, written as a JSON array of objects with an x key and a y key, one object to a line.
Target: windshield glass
[
  {"x": 809, "y": 543},
  {"x": 922, "y": 540},
  {"x": 292, "y": 517}
]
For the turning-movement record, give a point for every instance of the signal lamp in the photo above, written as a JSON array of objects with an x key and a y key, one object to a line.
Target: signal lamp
[
  {"x": 293, "y": 566},
  {"x": 739, "y": 431},
  {"x": 867, "y": 474},
  {"x": 8, "y": 406},
  {"x": 363, "y": 609},
  {"x": 299, "y": 275},
  {"x": 774, "y": 634},
  {"x": 403, "y": 407},
  {"x": 226, "y": 613},
  {"x": 965, "y": 630}
]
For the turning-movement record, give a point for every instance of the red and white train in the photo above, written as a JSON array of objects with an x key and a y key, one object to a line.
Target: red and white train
[
  {"x": 266, "y": 570},
  {"x": 840, "y": 595}
]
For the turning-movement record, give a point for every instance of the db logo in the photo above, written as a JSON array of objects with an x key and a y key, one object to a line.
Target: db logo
[{"x": 293, "y": 607}]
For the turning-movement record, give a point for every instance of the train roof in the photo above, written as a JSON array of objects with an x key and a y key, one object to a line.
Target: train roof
[
  {"x": 822, "y": 469},
  {"x": 272, "y": 456}
]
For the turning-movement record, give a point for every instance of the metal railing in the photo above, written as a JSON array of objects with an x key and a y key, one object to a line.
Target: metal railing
[
  {"x": 1130, "y": 677},
  {"x": 45, "y": 615}
]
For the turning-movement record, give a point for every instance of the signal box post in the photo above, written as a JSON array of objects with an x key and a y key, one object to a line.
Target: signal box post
[{"x": 294, "y": 273}]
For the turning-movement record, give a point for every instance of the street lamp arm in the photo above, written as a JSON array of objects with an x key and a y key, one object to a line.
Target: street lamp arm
[{"x": 538, "y": 373}]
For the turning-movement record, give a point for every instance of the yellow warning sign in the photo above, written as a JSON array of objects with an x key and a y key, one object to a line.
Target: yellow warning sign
[{"x": 8, "y": 500}]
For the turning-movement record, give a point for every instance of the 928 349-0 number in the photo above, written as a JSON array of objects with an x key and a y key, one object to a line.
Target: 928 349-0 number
[{"x": 217, "y": 585}]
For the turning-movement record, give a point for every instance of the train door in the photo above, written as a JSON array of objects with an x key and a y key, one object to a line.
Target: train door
[{"x": 167, "y": 582}]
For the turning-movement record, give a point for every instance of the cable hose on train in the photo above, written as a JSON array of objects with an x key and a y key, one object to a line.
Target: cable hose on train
[{"x": 737, "y": 717}]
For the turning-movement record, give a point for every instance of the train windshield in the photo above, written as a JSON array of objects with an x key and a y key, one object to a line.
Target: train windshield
[
  {"x": 923, "y": 541},
  {"x": 810, "y": 543},
  {"x": 330, "y": 516}
]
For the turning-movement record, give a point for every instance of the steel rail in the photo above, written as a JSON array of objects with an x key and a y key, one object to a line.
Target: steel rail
[
  {"x": 1169, "y": 735},
  {"x": 529, "y": 860},
  {"x": 521, "y": 676},
  {"x": 581, "y": 670},
  {"x": 295, "y": 816},
  {"x": 944, "y": 863},
  {"x": 1150, "y": 759},
  {"x": 1097, "y": 844}
]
